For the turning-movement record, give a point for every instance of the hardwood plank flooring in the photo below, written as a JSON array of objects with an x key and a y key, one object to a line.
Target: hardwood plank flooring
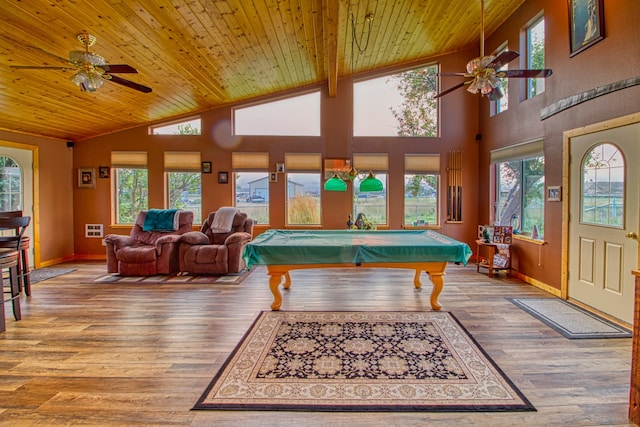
[{"x": 142, "y": 354}]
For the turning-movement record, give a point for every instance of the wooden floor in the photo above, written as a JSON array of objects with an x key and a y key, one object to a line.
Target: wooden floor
[{"x": 104, "y": 354}]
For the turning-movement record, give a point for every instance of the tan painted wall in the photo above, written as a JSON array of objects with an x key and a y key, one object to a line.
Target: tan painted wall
[
  {"x": 54, "y": 213},
  {"x": 615, "y": 58},
  {"x": 458, "y": 132}
]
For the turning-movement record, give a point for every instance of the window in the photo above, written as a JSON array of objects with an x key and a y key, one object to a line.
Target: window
[
  {"x": 130, "y": 186},
  {"x": 502, "y": 104},
  {"x": 372, "y": 204},
  {"x": 182, "y": 127},
  {"x": 401, "y": 104},
  {"x": 535, "y": 56},
  {"x": 299, "y": 115},
  {"x": 602, "y": 196},
  {"x": 183, "y": 182},
  {"x": 303, "y": 177},
  {"x": 10, "y": 185},
  {"x": 421, "y": 189},
  {"x": 520, "y": 187},
  {"x": 251, "y": 184}
]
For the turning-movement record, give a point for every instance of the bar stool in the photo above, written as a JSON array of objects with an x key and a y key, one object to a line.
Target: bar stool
[
  {"x": 9, "y": 260},
  {"x": 24, "y": 271}
]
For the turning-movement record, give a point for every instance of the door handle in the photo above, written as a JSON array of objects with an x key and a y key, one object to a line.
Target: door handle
[{"x": 631, "y": 235}]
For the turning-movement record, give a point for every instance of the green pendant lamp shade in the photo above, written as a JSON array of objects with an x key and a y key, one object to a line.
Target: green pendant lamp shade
[
  {"x": 371, "y": 183},
  {"x": 335, "y": 184}
]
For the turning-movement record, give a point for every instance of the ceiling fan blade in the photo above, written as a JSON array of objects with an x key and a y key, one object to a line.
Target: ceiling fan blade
[
  {"x": 452, "y": 74},
  {"x": 118, "y": 68},
  {"x": 127, "y": 83},
  {"x": 527, "y": 74},
  {"x": 36, "y": 67},
  {"x": 504, "y": 58},
  {"x": 451, "y": 89}
]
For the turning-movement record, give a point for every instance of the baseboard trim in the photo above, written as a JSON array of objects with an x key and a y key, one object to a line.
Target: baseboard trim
[{"x": 538, "y": 284}]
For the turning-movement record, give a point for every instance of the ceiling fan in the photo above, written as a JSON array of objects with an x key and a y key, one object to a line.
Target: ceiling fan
[
  {"x": 91, "y": 69},
  {"x": 484, "y": 70}
]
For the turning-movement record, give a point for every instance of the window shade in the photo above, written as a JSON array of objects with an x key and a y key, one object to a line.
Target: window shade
[
  {"x": 419, "y": 163},
  {"x": 303, "y": 161},
  {"x": 129, "y": 159},
  {"x": 182, "y": 161},
  {"x": 526, "y": 150},
  {"x": 250, "y": 161},
  {"x": 371, "y": 162}
]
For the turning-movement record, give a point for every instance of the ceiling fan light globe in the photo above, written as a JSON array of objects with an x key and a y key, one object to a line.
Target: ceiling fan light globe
[
  {"x": 81, "y": 57},
  {"x": 479, "y": 64},
  {"x": 79, "y": 78},
  {"x": 473, "y": 87}
]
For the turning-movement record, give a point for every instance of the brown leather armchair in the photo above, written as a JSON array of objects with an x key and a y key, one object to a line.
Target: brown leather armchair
[
  {"x": 209, "y": 252},
  {"x": 146, "y": 253}
]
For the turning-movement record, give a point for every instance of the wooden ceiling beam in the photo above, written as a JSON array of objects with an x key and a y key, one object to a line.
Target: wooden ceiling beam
[{"x": 331, "y": 14}]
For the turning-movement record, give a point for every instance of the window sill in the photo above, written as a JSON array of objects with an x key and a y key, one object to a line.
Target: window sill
[{"x": 528, "y": 239}]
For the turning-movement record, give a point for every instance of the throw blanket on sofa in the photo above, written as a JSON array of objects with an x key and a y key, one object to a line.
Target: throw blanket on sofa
[
  {"x": 223, "y": 220},
  {"x": 161, "y": 220}
]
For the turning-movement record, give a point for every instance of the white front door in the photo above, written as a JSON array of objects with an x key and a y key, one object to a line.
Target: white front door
[
  {"x": 604, "y": 220},
  {"x": 24, "y": 159}
]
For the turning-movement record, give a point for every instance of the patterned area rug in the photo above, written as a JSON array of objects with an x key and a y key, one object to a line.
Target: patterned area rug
[
  {"x": 360, "y": 361},
  {"x": 230, "y": 279},
  {"x": 570, "y": 320}
]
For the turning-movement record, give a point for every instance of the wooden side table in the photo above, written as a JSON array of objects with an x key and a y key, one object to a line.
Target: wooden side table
[{"x": 488, "y": 261}]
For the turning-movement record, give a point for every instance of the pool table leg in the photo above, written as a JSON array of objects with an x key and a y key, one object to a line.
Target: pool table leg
[
  {"x": 438, "y": 284},
  {"x": 274, "y": 283}
]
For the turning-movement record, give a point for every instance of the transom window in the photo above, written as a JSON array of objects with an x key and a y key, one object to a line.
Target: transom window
[
  {"x": 401, "y": 104},
  {"x": 602, "y": 195},
  {"x": 298, "y": 115},
  {"x": 182, "y": 127}
]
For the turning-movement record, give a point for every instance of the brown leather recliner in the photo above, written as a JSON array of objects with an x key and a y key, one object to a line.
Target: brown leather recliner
[
  {"x": 209, "y": 252},
  {"x": 146, "y": 253}
]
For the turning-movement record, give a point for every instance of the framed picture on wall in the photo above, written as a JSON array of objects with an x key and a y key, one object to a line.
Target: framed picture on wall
[
  {"x": 206, "y": 167},
  {"x": 223, "y": 177},
  {"x": 554, "y": 193},
  {"x": 586, "y": 24},
  {"x": 273, "y": 177},
  {"x": 87, "y": 177},
  {"x": 104, "y": 171}
]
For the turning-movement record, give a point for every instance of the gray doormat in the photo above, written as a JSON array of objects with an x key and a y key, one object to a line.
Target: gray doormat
[
  {"x": 570, "y": 320},
  {"x": 45, "y": 273}
]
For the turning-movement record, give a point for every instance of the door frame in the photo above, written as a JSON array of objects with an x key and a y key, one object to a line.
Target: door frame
[
  {"x": 566, "y": 140},
  {"x": 35, "y": 221}
]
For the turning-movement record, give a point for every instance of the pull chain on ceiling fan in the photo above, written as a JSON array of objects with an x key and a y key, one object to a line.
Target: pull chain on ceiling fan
[{"x": 484, "y": 70}]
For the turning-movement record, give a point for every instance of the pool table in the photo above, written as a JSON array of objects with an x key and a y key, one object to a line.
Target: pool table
[{"x": 421, "y": 250}]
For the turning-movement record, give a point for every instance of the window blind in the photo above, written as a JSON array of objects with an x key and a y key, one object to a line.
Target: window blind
[
  {"x": 182, "y": 161},
  {"x": 522, "y": 151},
  {"x": 129, "y": 159},
  {"x": 421, "y": 163},
  {"x": 303, "y": 161},
  {"x": 371, "y": 162},
  {"x": 250, "y": 161}
]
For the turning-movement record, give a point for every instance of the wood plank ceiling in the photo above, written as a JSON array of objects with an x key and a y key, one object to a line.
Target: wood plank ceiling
[{"x": 197, "y": 55}]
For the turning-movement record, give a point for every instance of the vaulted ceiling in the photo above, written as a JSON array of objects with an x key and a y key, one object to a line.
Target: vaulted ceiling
[{"x": 197, "y": 55}]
